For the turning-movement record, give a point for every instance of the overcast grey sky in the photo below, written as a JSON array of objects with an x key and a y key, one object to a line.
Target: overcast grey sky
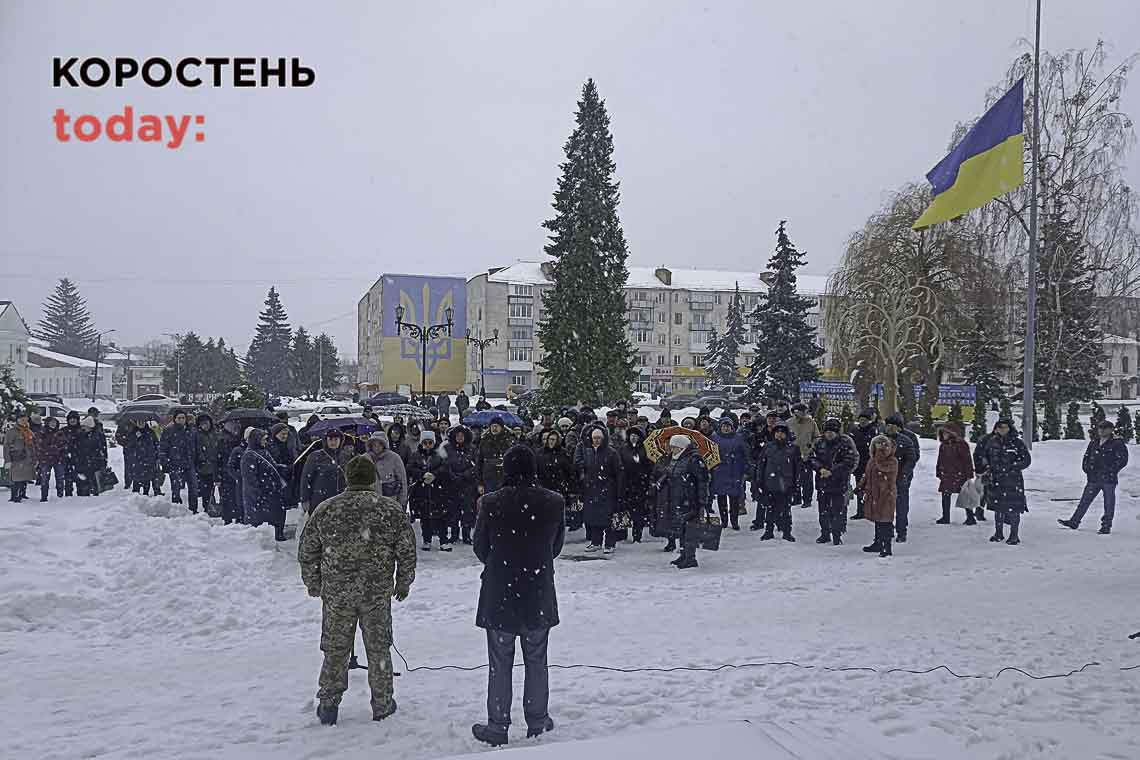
[{"x": 431, "y": 140}]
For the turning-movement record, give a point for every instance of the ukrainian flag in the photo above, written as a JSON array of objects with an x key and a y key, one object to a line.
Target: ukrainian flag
[{"x": 987, "y": 163}]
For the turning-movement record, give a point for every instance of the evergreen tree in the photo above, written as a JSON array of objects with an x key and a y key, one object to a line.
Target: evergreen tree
[
  {"x": 926, "y": 418},
  {"x": 978, "y": 424},
  {"x": 1123, "y": 424},
  {"x": 268, "y": 357},
  {"x": 1051, "y": 429},
  {"x": 13, "y": 400},
  {"x": 723, "y": 371},
  {"x": 328, "y": 362},
  {"x": 1073, "y": 429},
  {"x": 1096, "y": 416},
  {"x": 954, "y": 416},
  {"x": 982, "y": 353},
  {"x": 713, "y": 357},
  {"x": 66, "y": 325},
  {"x": 588, "y": 356},
  {"x": 304, "y": 364},
  {"x": 1006, "y": 410},
  {"x": 786, "y": 350},
  {"x": 229, "y": 368},
  {"x": 1068, "y": 356}
]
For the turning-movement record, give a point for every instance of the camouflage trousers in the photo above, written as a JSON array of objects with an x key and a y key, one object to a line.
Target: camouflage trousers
[{"x": 338, "y": 632}]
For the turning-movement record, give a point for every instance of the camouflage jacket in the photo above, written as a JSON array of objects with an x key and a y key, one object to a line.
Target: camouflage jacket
[{"x": 354, "y": 546}]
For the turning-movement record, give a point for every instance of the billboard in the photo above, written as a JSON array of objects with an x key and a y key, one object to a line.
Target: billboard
[{"x": 425, "y": 300}]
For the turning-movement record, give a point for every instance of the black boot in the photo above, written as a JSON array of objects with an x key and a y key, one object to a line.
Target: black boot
[
  {"x": 788, "y": 536},
  {"x": 538, "y": 730},
  {"x": 876, "y": 545},
  {"x": 945, "y": 519},
  {"x": 824, "y": 538},
  {"x": 886, "y": 550},
  {"x": 970, "y": 519},
  {"x": 999, "y": 531},
  {"x": 637, "y": 535},
  {"x": 769, "y": 533},
  {"x": 489, "y": 735},
  {"x": 980, "y": 514},
  {"x": 671, "y": 546},
  {"x": 688, "y": 559},
  {"x": 734, "y": 520},
  {"x": 327, "y": 714},
  {"x": 1071, "y": 524},
  {"x": 836, "y": 538},
  {"x": 1014, "y": 523}
]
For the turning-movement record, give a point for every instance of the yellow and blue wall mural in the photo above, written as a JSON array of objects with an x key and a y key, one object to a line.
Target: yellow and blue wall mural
[{"x": 425, "y": 300}]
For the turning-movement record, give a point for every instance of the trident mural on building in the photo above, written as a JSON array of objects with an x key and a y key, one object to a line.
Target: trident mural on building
[{"x": 424, "y": 301}]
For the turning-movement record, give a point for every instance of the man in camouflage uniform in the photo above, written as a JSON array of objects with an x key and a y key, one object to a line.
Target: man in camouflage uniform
[{"x": 357, "y": 551}]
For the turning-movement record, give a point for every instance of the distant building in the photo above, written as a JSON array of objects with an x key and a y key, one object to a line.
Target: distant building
[
  {"x": 1118, "y": 377},
  {"x": 67, "y": 376},
  {"x": 14, "y": 337}
]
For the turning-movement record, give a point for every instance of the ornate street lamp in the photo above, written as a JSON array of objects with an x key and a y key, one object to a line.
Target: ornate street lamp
[
  {"x": 482, "y": 344},
  {"x": 424, "y": 335}
]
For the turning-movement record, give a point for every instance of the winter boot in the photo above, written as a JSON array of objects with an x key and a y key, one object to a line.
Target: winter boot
[
  {"x": 945, "y": 519},
  {"x": 1105, "y": 530},
  {"x": 43, "y": 499},
  {"x": 388, "y": 711},
  {"x": 769, "y": 533},
  {"x": 1071, "y": 524},
  {"x": 999, "y": 530},
  {"x": 279, "y": 533},
  {"x": 824, "y": 538},
  {"x": 637, "y": 535},
  {"x": 980, "y": 514},
  {"x": 671, "y": 546},
  {"x": 724, "y": 516},
  {"x": 788, "y": 536},
  {"x": 970, "y": 519},
  {"x": 488, "y": 735},
  {"x": 327, "y": 714},
  {"x": 687, "y": 561},
  {"x": 900, "y": 538},
  {"x": 836, "y": 538},
  {"x": 1014, "y": 523},
  {"x": 876, "y": 545},
  {"x": 466, "y": 535},
  {"x": 734, "y": 520},
  {"x": 540, "y": 729},
  {"x": 444, "y": 546},
  {"x": 426, "y": 546},
  {"x": 886, "y": 550}
]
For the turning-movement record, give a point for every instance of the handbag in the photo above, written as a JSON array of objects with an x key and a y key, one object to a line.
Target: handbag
[
  {"x": 621, "y": 521},
  {"x": 390, "y": 488},
  {"x": 107, "y": 479},
  {"x": 708, "y": 530},
  {"x": 574, "y": 515}
]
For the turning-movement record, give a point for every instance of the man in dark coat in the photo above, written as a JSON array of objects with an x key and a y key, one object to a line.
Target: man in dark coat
[
  {"x": 304, "y": 436},
  {"x": 230, "y": 487},
  {"x": 492, "y": 447},
  {"x": 482, "y": 404},
  {"x": 637, "y": 470},
  {"x": 90, "y": 457},
  {"x": 999, "y": 461},
  {"x": 323, "y": 474},
  {"x": 462, "y": 484},
  {"x": 599, "y": 473},
  {"x": 906, "y": 451},
  {"x": 443, "y": 404},
  {"x": 262, "y": 485},
  {"x": 1104, "y": 458},
  {"x": 397, "y": 442},
  {"x": 462, "y": 403},
  {"x": 779, "y": 467},
  {"x": 862, "y": 434},
  {"x": 144, "y": 464},
  {"x": 51, "y": 456},
  {"x": 685, "y": 490},
  {"x": 833, "y": 458},
  {"x": 518, "y": 533},
  {"x": 425, "y": 491},
  {"x": 207, "y": 444},
  {"x": 176, "y": 455}
]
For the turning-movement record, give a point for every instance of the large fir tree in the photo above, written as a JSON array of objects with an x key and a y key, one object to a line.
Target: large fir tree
[
  {"x": 982, "y": 353},
  {"x": 304, "y": 364},
  {"x": 1069, "y": 355},
  {"x": 66, "y": 325},
  {"x": 785, "y": 343},
  {"x": 268, "y": 358},
  {"x": 723, "y": 371},
  {"x": 583, "y": 328},
  {"x": 328, "y": 362}
]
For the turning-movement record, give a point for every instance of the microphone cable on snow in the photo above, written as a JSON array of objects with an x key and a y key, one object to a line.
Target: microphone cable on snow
[{"x": 774, "y": 664}]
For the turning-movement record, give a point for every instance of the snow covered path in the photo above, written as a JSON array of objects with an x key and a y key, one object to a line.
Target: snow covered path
[{"x": 131, "y": 629}]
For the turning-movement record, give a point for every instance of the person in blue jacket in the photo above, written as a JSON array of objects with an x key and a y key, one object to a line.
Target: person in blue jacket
[{"x": 728, "y": 477}]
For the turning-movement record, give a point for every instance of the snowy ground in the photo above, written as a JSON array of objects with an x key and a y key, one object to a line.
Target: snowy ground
[{"x": 130, "y": 629}]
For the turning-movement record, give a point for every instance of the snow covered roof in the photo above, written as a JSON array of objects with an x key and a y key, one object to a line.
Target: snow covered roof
[
  {"x": 530, "y": 273},
  {"x": 1117, "y": 340},
  {"x": 45, "y": 358}
]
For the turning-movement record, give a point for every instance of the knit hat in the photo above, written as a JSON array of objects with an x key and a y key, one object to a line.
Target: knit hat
[
  {"x": 565, "y": 422},
  {"x": 832, "y": 425},
  {"x": 335, "y": 433},
  {"x": 427, "y": 435},
  {"x": 896, "y": 420},
  {"x": 88, "y": 423},
  {"x": 679, "y": 441},
  {"x": 781, "y": 426},
  {"x": 519, "y": 465},
  {"x": 867, "y": 414},
  {"x": 1106, "y": 424},
  {"x": 248, "y": 432},
  {"x": 360, "y": 472},
  {"x": 73, "y": 413},
  {"x": 278, "y": 428},
  {"x": 799, "y": 408}
]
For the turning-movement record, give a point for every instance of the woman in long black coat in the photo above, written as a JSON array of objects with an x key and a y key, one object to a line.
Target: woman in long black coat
[
  {"x": 262, "y": 485},
  {"x": 462, "y": 483},
  {"x": 229, "y": 455},
  {"x": 999, "y": 460},
  {"x": 323, "y": 475},
  {"x": 142, "y": 442},
  {"x": 685, "y": 494},
  {"x": 426, "y": 470},
  {"x": 284, "y": 453},
  {"x": 599, "y": 472},
  {"x": 556, "y": 473},
  {"x": 638, "y": 473}
]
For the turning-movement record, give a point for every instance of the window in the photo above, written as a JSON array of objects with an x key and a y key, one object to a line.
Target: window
[
  {"x": 659, "y": 298},
  {"x": 520, "y": 354},
  {"x": 718, "y": 299},
  {"x": 641, "y": 336},
  {"x": 677, "y": 318},
  {"x": 518, "y": 380},
  {"x": 523, "y": 310},
  {"x": 699, "y": 319},
  {"x": 698, "y": 360},
  {"x": 676, "y": 360},
  {"x": 521, "y": 290},
  {"x": 480, "y": 317},
  {"x": 660, "y": 360},
  {"x": 661, "y": 339},
  {"x": 644, "y": 360},
  {"x": 1124, "y": 364},
  {"x": 520, "y": 333},
  {"x": 661, "y": 317},
  {"x": 676, "y": 340}
]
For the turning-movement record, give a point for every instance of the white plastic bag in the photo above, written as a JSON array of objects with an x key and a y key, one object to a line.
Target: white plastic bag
[{"x": 971, "y": 494}]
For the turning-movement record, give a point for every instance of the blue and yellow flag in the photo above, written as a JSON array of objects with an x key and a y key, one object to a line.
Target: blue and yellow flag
[{"x": 987, "y": 163}]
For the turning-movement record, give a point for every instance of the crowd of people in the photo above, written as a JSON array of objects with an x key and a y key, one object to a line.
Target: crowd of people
[{"x": 73, "y": 457}]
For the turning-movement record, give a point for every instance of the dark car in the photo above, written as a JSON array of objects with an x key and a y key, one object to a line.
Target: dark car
[
  {"x": 386, "y": 399},
  {"x": 679, "y": 400}
]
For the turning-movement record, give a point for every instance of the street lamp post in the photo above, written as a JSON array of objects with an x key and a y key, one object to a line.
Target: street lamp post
[
  {"x": 424, "y": 334},
  {"x": 98, "y": 352},
  {"x": 482, "y": 344},
  {"x": 177, "y": 364}
]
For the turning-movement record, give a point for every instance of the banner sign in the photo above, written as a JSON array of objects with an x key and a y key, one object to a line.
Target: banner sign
[
  {"x": 965, "y": 395},
  {"x": 425, "y": 300}
]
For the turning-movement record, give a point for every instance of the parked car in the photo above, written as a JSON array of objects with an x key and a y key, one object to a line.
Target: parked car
[
  {"x": 715, "y": 402},
  {"x": 388, "y": 398},
  {"x": 731, "y": 392},
  {"x": 679, "y": 400},
  {"x": 45, "y": 408},
  {"x": 150, "y": 399},
  {"x": 338, "y": 412},
  {"x": 45, "y": 397}
]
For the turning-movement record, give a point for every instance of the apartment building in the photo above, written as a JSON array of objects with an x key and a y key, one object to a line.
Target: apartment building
[{"x": 671, "y": 313}]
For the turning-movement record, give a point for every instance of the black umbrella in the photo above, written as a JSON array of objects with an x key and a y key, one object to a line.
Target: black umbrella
[{"x": 254, "y": 417}]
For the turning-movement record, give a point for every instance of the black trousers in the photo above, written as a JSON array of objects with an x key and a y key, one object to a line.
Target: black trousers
[
  {"x": 807, "y": 477},
  {"x": 601, "y": 536},
  {"x": 536, "y": 686},
  {"x": 832, "y": 513},
  {"x": 431, "y": 527},
  {"x": 778, "y": 511},
  {"x": 728, "y": 506},
  {"x": 205, "y": 491}
]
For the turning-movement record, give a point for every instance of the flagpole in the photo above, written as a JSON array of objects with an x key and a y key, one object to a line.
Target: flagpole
[{"x": 1031, "y": 291}]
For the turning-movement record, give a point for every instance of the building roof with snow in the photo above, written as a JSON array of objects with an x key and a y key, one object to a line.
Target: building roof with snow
[
  {"x": 531, "y": 273},
  {"x": 41, "y": 357}
]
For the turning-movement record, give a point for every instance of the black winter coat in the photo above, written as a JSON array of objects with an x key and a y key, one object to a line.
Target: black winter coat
[
  {"x": 284, "y": 455},
  {"x": 143, "y": 445},
  {"x": 556, "y": 471},
  {"x": 323, "y": 475},
  {"x": 490, "y": 460},
  {"x": 90, "y": 450},
  {"x": 1001, "y": 461},
  {"x": 1103, "y": 462},
  {"x": 262, "y": 488},
  {"x": 839, "y": 457},
  {"x": 462, "y": 482},
  {"x": 518, "y": 533},
  {"x": 207, "y": 452},
  {"x": 600, "y": 481},
  {"x": 233, "y": 471},
  {"x": 777, "y": 470},
  {"x": 637, "y": 475},
  {"x": 462, "y": 403},
  {"x": 177, "y": 449},
  {"x": 684, "y": 493},
  {"x": 427, "y": 500},
  {"x": 907, "y": 454},
  {"x": 862, "y": 435}
]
